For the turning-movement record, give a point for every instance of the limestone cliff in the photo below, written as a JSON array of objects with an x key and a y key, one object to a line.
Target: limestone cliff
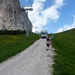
[{"x": 13, "y": 17}]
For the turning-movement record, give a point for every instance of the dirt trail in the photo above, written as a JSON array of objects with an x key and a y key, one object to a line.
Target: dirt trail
[{"x": 35, "y": 60}]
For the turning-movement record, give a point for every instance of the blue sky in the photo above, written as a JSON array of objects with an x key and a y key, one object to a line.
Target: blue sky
[{"x": 52, "y": 15}]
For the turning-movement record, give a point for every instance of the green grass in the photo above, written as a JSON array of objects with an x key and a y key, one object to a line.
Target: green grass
[
  {"x": 64, "y": 60},
  {"x": 10, "y": 45}
]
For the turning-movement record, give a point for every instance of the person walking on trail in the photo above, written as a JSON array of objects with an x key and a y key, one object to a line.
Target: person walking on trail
[
  {"x": 52, "y": 37},
  {"x": 48, "y": 42}
]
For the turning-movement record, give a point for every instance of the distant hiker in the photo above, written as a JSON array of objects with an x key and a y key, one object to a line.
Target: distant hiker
[
  {"x": 52, "y": 37},
  {"x": 48, "y": 42}
]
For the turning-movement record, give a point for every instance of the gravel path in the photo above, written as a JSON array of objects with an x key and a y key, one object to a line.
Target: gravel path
[{"x": 35, "y": 60}]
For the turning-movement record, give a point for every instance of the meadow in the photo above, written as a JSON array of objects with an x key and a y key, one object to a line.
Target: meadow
[
  {"x": 64, "y": 60},
  {"x": 10, "y": 45},
  {"x": 64, "y": 44}
]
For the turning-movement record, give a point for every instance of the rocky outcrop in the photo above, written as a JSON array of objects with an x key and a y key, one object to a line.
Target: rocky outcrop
[{"x": 13, "y": 17}]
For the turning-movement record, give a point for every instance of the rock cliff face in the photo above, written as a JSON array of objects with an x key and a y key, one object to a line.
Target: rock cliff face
[{"x": 13, "y": 17}]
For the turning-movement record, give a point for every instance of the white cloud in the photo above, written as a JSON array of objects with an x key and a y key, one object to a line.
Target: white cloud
[
  {"x": 41, "y": 16},
  {"x": 59, "y": 30},
  {"x": 59, "y": 2},
  {"x": 67, "y": 27}
]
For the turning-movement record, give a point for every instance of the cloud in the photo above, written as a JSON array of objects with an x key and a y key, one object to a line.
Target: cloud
[
  {"x": 67, "y": 27},
  {"x": 41, "y": 16},
  {"x": 59, "y": 3}
]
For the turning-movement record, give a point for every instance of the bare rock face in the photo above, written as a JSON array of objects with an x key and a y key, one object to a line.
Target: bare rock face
[{"x": 13, "y": 17}]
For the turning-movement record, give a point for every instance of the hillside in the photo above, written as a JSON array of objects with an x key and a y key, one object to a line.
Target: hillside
[
  {"x": 64, "y": 43},
  {"x": 72, "y": 31},
  {"x": 10, "y": 45}
]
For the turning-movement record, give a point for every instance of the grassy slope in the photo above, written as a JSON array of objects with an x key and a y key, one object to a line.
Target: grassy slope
[
  {"x": 65, "y": 50},
  {"x": 13, "y": 44}
]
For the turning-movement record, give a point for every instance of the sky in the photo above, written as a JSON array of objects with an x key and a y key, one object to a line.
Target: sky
[{"x": 52, "y": 15}]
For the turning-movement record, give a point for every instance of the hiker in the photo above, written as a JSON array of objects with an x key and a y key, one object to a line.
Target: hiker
[
  {"x": 52, "y": 37},
  {"x": 48, "y": 42}
]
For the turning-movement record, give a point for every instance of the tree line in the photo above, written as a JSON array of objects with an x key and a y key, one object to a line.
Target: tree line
[{"x": 12, "y": 32}]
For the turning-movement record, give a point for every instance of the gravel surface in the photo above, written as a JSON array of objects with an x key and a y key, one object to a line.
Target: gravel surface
[{"x": 35, "y": 60}]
